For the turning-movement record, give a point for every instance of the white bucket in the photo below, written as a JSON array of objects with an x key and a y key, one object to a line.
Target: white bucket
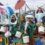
[
  {"x": 18, "y": 34},
  {"x": 26, "y": 39},
  {"x": 2, "y": 29},
  {"x": 7, "y": 34},
  {"x": 41, "y": 29}
]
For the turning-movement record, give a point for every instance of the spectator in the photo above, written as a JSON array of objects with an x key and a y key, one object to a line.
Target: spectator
[
  {"x": 39, "y": 14},
  {"x": 30, "y": 28}
]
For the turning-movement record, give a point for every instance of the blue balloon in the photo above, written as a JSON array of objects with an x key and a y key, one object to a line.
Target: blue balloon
[{"x": 11, "y": 12}]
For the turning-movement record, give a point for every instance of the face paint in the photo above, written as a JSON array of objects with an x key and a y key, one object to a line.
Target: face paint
[{"x": 13, "y": 19}]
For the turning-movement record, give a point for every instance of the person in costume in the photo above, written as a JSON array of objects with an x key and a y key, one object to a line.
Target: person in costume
[
  {"x": 30, "y": 28},
  {"x": 39, "y": 15},
  {"x": 21, "y": 26},
  {"x": 17, "y": 27},
  {"x": 22, "y": 22},
  {"x": 13, "y": 29}
]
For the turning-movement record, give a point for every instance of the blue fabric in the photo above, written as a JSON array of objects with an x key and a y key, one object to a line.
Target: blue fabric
[
  {"x": 11, "y": 12},
  {"x": 38, "y": 42}
]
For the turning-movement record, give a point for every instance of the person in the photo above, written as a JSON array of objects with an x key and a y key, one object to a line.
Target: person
[
  {"x": 30, "y": 28},
  {"x": 14, "y": 28},
  {"x": 39, "y": 15},
  {"x": 22, "y": 22},
  {"x": 18, "y": 27},
  {"x": 38, "y": 41},
  {"x": 22, "y": 26},
  {"x": 13, "y": 20}
]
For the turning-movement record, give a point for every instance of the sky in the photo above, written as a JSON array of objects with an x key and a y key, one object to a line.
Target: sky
[{"x": 33, "y": 4}]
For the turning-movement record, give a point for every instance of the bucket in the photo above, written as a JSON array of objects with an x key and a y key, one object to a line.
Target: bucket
[
  {"x": 41, "y": 29},
  {"x": 18, "y": 34},
  {"x": 25, "y": 39},
  {"x": 7, "y": 34}
]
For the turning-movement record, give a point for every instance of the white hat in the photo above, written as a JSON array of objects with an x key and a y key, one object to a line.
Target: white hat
[{"x": 29, "y": 16}]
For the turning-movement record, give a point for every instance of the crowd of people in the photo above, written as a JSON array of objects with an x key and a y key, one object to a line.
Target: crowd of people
[{"x": 25, "y": 26}]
